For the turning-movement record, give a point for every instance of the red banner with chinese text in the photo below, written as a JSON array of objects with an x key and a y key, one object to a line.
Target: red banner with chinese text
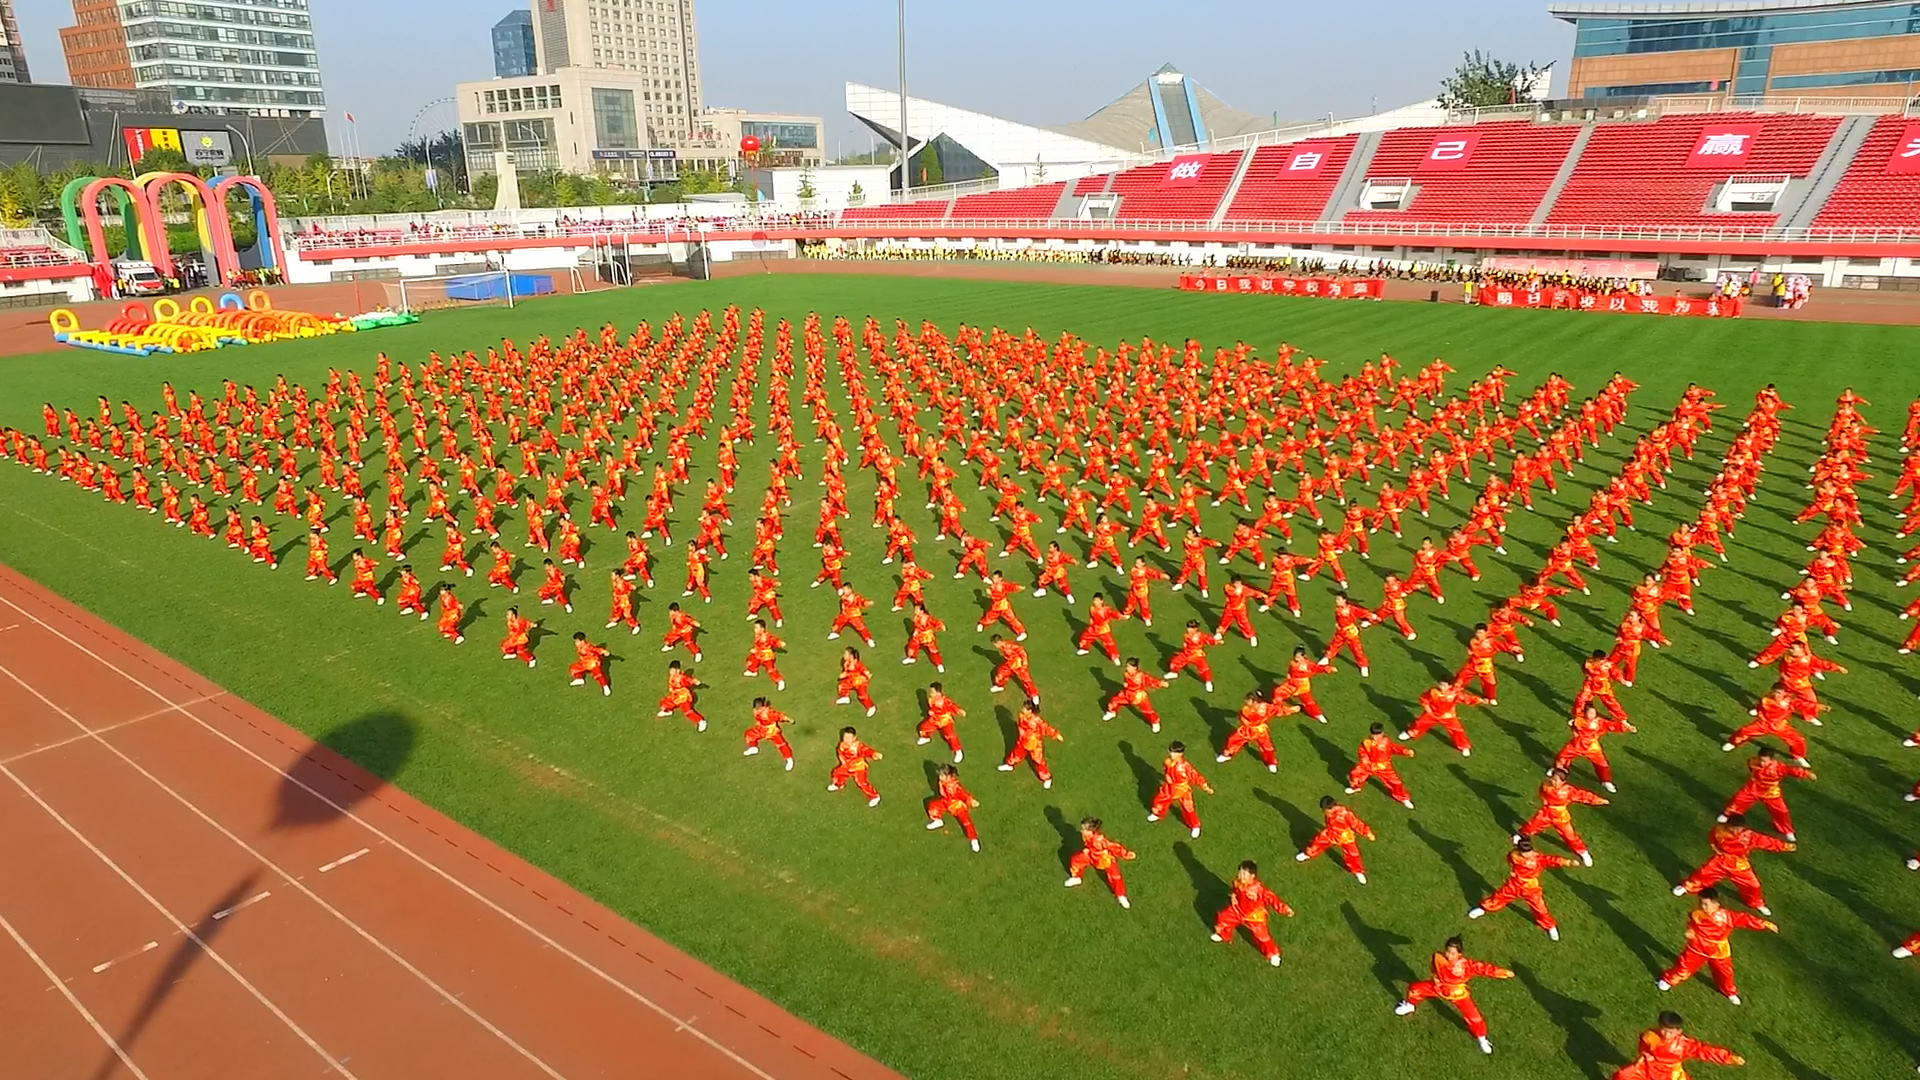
[
  {"x": 1905, "y": 156},
  {"x": 1622, "y": 303},
  {"x": 1274, "y": 285}
]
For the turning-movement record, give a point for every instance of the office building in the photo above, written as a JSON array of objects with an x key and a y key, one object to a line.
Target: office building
[
  {"x": 1781, "y": 48},
  {"x": 588, "y": 120},
  {"x": 251, "y": 57},
  {"x": 13, "y": 52},
  {"x": 652, "y": 39},
  {"x": 513, "y": 52}
]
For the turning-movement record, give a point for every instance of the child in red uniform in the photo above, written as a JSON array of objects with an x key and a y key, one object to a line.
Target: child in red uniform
[
  {"x": 1256, "y": 717},
  {"x": 1135, "y": 683},
  {"x": 679, "y": 696},
  {"x": 1524, "y": 867},
  {"x": 852, "y": 605},
  {"x": 761, "y": 655},
  {"x": 1733, "y": 844},
  {"x": 1663, "y": 1053},
  {"x": 553, "y": 587},
  {"x": 854, "y": 757},
  {"x": 1299, "y": 682},
  {"x": 1000, "y": 607},
  {"x": 682, "y": 629},
  {"x": 1440, "y": 707},
  {"x": 412, "y": 597},
  {"x": 1193, "y": 653},
  {"x": 364, "y": 574},
  {"x": 923, "y": 636},
  {"x": 1376, "y": 756},
  {"x": 621, "y": 610},
  {"x": 451, "y": 612},
  {"x": 1340, "y": 830},
  {"x": 515, "y": 646},
  {"x": 1556, "y": 797},
  {"x": 1451, "y": 973},
  {"x": 942, "y": 711},
  {"x": 1029, "y": 743},
  {"x": 1099, "y": 630},
  {"x": 589, "y": 665},
  {"x": 1102, "y": 854},
  {"x": 854, "y": 680},
  {"x": 951, "y": 798},
  {"x": 1587, "y": 728},
  {"x": 766, "y": 728},
  {"x": 1251, "y": 903},
  {"x": 1014, "y": 665},
  {"x": 500, "y": 576},
  {"x": 1764, "y": 772},
  {"x": 1709, "y": 930},
  {"x": 1178, "y": 779}
]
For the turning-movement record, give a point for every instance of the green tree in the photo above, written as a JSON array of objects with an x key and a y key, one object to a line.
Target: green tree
[
  {"x": 807, "y": 192},
  {"x": 926, "y": 169},
  {"x": 154, "y": 161},
  {"x": 566, "y": 190},
  {"x": 856, "y": 195},
  {"x": 703, "y": 181},
  {"x": 1482, "y": 80}
]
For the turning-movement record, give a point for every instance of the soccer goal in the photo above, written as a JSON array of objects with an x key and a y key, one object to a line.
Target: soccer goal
[{"x": 491, "y": 288}]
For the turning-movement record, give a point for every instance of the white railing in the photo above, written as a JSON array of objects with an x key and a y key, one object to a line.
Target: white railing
[
  {"x": 57, "y": 252},
  {"x": 1519, "y": 234}
]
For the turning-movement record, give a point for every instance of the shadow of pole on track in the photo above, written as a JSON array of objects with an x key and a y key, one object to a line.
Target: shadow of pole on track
[
  {"x": 347, "y": 764},
  {"x": 344, "y": 766}
]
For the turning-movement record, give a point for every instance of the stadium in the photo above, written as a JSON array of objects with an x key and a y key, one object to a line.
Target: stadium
[{"x": 1138, "y": 607}]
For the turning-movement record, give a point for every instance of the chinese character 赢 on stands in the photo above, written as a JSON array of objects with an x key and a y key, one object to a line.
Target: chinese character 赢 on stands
[
  {"x": 1729, "y": 143},
  {"x": 1306, "y": 161}
]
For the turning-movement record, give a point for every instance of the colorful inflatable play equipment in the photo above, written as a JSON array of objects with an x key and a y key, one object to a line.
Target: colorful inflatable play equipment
[
  {"x": 137, "y": 202},
  {"x": 205, "y": 324}
]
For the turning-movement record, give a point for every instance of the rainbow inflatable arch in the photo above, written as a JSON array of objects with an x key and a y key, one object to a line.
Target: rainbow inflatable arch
[
  {"x": 137, "y": 202},
  {"x": 203, "y": 324}
]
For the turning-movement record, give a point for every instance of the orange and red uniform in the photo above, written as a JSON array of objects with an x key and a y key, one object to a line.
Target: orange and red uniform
[
  {"x": 1709, "y": 945},
  {"x": 589, "y": 664},
  {"x": 1523, "y": 885},
  {"x": 766, "y": 728},
  {"x": 679, "y": 697},
  {"x": 1556, "y": 798},
  {"x": 1340, "y": 829},
  {"x": 1449, "y": 984},
  {"x": 519, "y": 632},
  {"x": 941, "y": 713},
  {"x": 1664, "y": 1057},
  {"x": 1763, "y": 786},
  {"x": 1102, "y": 854},
  {"x": 1376, "y": 754},
  {"x": 1249, "y": 907},
  {"x": 1178, "y": 778},
  {"x": 852, "y": 767},
  {"x": 1440, "y": 706},
  {"x": 949, "y": 797},
  {"x": 1135, "y": 684},
  {"x": 1014, "y": 665},
  {"x": 1733, "y": 846}
]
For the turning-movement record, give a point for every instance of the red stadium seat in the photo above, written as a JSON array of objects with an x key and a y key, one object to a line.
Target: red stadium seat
[
  {"x": 1637, "y": 174},
  {"x": 1010, "y": 204},
  {"x": 924, "y": 210},
  {"x": 1868, "y": 197},
  {"x": 1265, "y": 195},
  {"x": 1513, "y": 164},
  {"x": 1145, "y": 196}
]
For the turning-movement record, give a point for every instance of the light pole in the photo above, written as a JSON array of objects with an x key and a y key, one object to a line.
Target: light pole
[
  {"x": 906, "y": 173},
  {"x": 247, "y": 144}
]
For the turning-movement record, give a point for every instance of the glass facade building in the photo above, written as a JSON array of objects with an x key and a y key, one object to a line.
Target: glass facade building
[
  {"x": 1865, "y": 48},
  {"x": 513, "y": 52}
]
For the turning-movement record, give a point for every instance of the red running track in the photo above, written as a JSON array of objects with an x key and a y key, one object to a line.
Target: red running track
[{"x": 193, "y": 889}]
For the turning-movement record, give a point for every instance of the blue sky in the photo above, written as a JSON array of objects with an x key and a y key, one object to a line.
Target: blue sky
[{"x": 1054, "y": 62}]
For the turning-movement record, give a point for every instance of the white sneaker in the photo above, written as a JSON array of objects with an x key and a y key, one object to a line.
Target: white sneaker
[
  {"x": 1679, "y": 890},
  {"x": 1299, "y": 856},
  {"x": 875, "y": 801},
  {"x": 1486, "y": 1045},
  {"x": 1195, "y": 832},
  {"x": 1553, "y": 934},
  {"x": 1405, "y": 1008},
  {"x": 937, "y": 823},
  {"x": 1072, "y": 881},
  {"x": 1125, "y": 903},
  {"x": 1733, "y": 999},
  {"x": 1664, "y": 985},
  {"x": 1361, "y": 878},
  {"x": 1586, "y": 858},
  {"x": 975, "y": 845},
  {"x": 1476, "y": 913}
]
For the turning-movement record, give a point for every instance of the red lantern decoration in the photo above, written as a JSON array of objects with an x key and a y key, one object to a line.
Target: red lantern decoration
[{"x": 749, "y": 144}]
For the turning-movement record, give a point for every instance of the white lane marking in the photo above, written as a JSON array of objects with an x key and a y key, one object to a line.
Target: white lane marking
[
  {"x": 154, "y": 902},
  {"x": 91, "y": 732},
  {"x": 343, "y": 860},
  {"x": 141, "y": 951},
  {"x": 65, "y": 992},
  {"x": 261, "y": 858},
  {"x": 286, "y": 777},
  {"x": 247, "y": 903}
]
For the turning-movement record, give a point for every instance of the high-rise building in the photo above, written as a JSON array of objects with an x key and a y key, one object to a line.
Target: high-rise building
[
  {"x": 252, "y": 57},
  {"x": 650, "y": 38},
  {"x": 513, "y": 51},
  {"x": 13, "y": 53}
]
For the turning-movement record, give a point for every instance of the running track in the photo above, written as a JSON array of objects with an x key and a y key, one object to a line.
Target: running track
[{"x": 192, "y": 889}]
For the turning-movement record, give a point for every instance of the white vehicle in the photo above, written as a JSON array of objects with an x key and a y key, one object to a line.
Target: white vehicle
[{"x": 138, "y": 278}]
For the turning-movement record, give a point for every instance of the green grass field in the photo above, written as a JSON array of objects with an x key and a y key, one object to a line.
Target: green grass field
[{"x": 948, "y": 965}]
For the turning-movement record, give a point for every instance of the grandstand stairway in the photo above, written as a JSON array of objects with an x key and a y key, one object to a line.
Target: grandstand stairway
[
  {"x": 1804, "y": 199},
  {"x": 1233, "y": 188},
  {"x": 1560, "y": 179},
  {"x": 1069, "y": 204},
  {"x": 1346, "y": 193}
]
